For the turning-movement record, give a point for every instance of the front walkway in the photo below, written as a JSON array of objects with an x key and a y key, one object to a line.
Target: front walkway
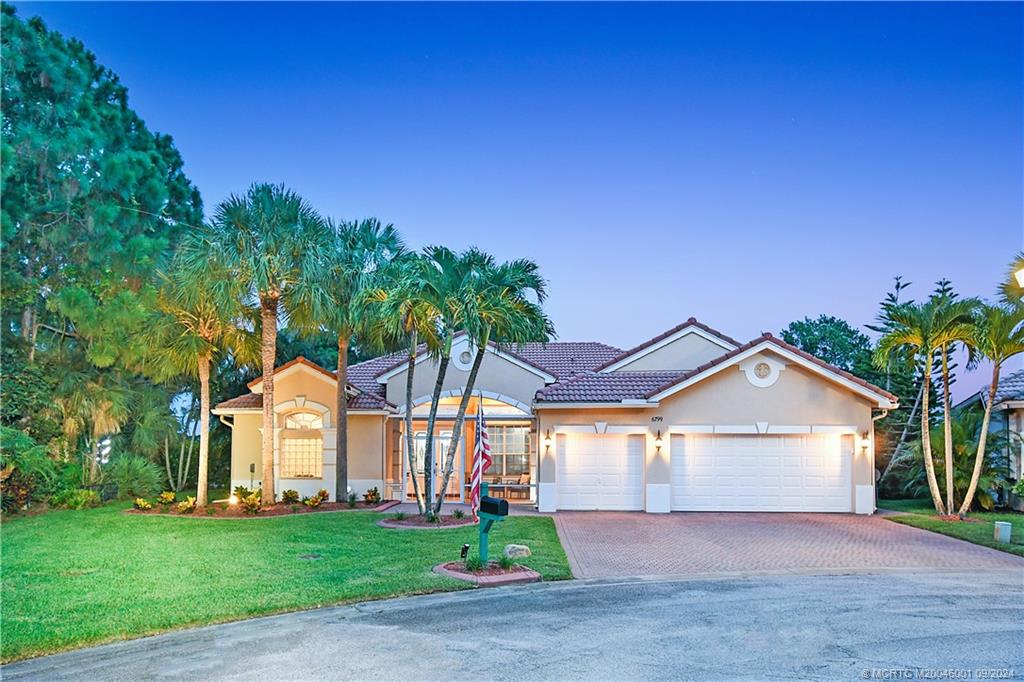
[{"x": 606, "y": 544}]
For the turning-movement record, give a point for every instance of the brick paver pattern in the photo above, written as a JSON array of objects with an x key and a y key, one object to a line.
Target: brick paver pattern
[{"x": 607, "y": 544}]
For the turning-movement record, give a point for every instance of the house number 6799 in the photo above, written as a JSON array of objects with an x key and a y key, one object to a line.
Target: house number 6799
[{"x": 657, "y": 419}]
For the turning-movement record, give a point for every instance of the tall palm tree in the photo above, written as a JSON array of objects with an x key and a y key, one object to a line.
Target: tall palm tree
[
  {"x": 503, "y": 305},
  {"x": 953, "y": 325},
  {"x": 912, "y": 337},
  {"x": 398, "y": 318},
  {"x": 356, "y": 265},
  {"x": 439, "y": 285},
  {"x": 275, "y": 244},
  {"x": 198, "y": 321},
  {"x": 998, "y": 336}
]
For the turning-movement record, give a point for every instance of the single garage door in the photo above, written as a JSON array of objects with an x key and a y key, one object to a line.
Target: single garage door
[
  {"x": 600, "y": 472},
  {"x": 801, "y": 472}
]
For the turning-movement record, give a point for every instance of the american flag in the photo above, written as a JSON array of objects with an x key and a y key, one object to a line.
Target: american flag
[{"x": 481, "y": 458}]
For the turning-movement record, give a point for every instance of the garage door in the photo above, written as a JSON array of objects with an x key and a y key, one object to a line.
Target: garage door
[
  {"x": 761, "y": 473},
  {"x": 600, "y": 472}
]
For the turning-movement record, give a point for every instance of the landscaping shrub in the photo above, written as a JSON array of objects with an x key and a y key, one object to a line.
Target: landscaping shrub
[
  {"x": 76, "y": 499},
  {"x": 473, "y": 563},
  {"x": 372, "y": 496},
  {"x": 241, "y": 491},
  {"x": 323, "y": 495},
  {"x": 458, "y": 514},
  {"x": 134, "y": 476},
  {"x": 252, "y": 503},
  {"x": 142, "y": 504},
  {"x": 312, "y": 502},
  {"x": 187, "y": 506},
  {"x": 398, "y": 516},
  {"x": 351, "y": 500},
  {"x": 26, "y": 471},
  {"x": 290, "y": 496},
  {"x": 506, "y": 562},
  {"x": 167, "y": 497}
]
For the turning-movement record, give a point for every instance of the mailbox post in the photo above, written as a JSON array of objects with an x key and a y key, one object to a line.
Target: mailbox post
[{"x": 491, "y": 509}]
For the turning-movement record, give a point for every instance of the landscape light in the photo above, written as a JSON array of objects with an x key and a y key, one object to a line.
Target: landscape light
[{"x": 233, "y": 499}]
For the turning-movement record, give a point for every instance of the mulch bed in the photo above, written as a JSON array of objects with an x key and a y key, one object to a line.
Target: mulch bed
[
  {"x": 957, "y": 519},
  {"x": 221, "y": 510},
  {"x": 491, "y": 576},
  {"x": 417, "y": 522}
]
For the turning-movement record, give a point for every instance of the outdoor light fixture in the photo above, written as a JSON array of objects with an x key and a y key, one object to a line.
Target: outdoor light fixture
[
  {"x": 1019, "y": 276},
  {"x": 465, "y": 551},
  {"x": 658, "y": 441},
  {"x": 865, "y": 442},
  {"x": 547, "y": 438},
  {"x": 233, "y": 499}
]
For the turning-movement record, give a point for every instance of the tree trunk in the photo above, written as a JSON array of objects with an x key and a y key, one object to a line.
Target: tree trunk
[
  {"x": 167, "y": 462},
  {"x": 410, "y": 442},
  {"x": 94, "y": 465},
  {"x": 947, "y": 430},
  {"x": 903, "y": 435},
  {"x": 926, "y": 441},
  {"x": 28, "y": 330},
  {"x": 435, "y": 397},
  {"x": 268, "y": 350},
  {"x": 979, "y": 458},
  {"x": 460, "y": 421},
  {"x": 341, "y": 432},
  {"x": 204, "y": 429}
]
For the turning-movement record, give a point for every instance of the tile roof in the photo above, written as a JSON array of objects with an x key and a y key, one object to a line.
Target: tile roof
[
  {"x": 603, "y": 387},
  {"x": 691, "y": 322},
  {"x": 566, "y": 358},
  {"x": 782, "y": 344}
]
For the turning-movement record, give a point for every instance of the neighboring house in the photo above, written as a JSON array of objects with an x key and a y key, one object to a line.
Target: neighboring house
[
  {"x": 1008, "y": 418},
  {"x": 689, "y": 420}
]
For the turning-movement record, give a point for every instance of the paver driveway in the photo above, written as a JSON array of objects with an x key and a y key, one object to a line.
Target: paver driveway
[{"x": 605, "y": 544}]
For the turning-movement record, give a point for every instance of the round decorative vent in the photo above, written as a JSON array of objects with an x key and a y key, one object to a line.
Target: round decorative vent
[
  {"x": 465, "y": 357},
  {"x": 762, "y": 370}
]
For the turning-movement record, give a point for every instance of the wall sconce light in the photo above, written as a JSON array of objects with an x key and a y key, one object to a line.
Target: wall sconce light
[
  {"x": 547, "y": 438},
  {"x": 658, "y": 441},
  {"x": 865, "y": 441}
]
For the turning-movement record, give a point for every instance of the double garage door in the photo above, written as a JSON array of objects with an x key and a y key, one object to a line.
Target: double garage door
[{"x": 799, "y": 472}]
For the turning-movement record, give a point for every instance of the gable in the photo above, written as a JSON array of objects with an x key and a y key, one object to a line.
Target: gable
[{"x": 688, "y": 349}]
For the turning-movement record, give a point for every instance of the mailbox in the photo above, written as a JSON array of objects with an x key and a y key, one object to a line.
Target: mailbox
[{"x": 494, "y": 506}]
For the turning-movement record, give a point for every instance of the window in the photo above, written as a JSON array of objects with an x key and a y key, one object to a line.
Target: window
[
  {"x": 302, "y": 446},
  {"x": 510, "y": 450},
  {"x": 302, "y": 457},
  {"x": 303, "y": 420}
]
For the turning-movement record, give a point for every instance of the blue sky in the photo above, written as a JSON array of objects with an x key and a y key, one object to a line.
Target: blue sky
[{"x": 746, "y": 164}]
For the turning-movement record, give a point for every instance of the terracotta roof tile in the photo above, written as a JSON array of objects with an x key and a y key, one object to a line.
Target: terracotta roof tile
[
  {"x": 691, "y": 322},
  {"x": 361, "y": 401},
  {"x": 249, "y": 400},
  {"x": 598, "y": 387}
]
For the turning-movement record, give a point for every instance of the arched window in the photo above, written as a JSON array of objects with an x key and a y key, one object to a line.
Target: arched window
[{"x": 302, "y": 446}]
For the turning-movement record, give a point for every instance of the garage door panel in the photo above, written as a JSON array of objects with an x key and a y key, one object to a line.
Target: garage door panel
[
  {"x": 760, "y": 473},
  {"x": 600, "y": 472}
]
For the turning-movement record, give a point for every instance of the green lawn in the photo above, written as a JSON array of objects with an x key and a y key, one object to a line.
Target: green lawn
[
  {"x": 73, "y": 578},
  {"x": 921, "y": 514}
]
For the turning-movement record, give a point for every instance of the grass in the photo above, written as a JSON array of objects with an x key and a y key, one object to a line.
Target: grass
[
  {"x": 921, "y": 514},
  {"x": 75, "y": 578}
]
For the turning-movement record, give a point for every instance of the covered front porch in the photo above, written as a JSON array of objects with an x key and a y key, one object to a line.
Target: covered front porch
[{"x": 511, "y": 430}]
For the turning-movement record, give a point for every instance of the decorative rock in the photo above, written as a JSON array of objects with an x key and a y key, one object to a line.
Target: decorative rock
[{"x": 516, "y": 551}]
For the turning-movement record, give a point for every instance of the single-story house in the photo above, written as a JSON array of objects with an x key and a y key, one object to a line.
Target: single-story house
[
  {"x": 1007, "y": 418},
  {"x": 690, "y": 420}
]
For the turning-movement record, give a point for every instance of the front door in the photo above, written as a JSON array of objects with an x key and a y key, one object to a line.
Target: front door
[{"x": 442, "y": 439}]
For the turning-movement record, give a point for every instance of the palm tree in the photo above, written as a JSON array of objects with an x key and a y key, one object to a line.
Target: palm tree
[
  {"x": 503, "y": 305},
  {"x": 398, "y": 318},
  {"x": 275, "y": 244},
  {"x": 998, "y": 336},
  {"x": 1012, "y": 290},
  {"x": 912, "y": 336},
  {"x": 196, "y": 322},
  {"x": 953, "y": 324},
  {"x": 356, "y": 266}
]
